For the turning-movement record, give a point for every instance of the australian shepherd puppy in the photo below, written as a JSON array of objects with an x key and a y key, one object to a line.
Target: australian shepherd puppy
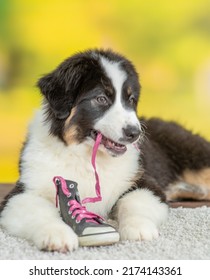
[{"x": 142, "y": 163}]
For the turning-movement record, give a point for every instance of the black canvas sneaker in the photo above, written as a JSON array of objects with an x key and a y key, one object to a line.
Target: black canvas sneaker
[{"x": 90, "y": 228}]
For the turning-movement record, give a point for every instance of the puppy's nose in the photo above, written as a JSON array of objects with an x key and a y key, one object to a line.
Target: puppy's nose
[{"x": 131, "y": 133}]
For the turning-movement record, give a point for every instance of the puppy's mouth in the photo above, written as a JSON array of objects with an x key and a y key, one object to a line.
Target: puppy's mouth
[{"x": 114, "y": 148}]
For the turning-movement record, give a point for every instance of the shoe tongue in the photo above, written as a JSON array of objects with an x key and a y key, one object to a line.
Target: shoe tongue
[
  {"x": 77, "y": 197},
  {"x": 72, "y": 187},
  {"x": 70, "y": 183}
]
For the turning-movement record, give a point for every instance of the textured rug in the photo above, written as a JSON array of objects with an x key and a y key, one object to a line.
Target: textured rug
[{"x": 185, "y": 236}]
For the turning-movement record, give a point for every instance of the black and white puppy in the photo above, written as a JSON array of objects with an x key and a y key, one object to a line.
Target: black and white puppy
[{"x": 96, "y": 91}]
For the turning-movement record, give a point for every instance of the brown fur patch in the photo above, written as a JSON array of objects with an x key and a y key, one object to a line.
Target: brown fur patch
[
  {"x": 129, "y": 91},
  {"x": 199, "y": 178},
  {"x": 70, "y": 131},
  {"x": 184, "y": 191},
  {"x": 107, "y": 87},
  {"x": 193, "y": 185}
]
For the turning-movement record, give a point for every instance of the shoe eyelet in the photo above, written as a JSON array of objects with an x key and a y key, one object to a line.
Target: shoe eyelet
[
  {"x": 69, "y": 195},
  {"x": 73, "y": 217},
  {"x": 69, "y": 212},
  {"x": 71, "y": 186},
  {"x": 57, "y": 182},
  {"x": 77, "y": 222}
]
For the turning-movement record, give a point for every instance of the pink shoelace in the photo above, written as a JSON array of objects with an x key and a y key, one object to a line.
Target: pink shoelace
[
  {"x": 75, "y": 208},
  {"x": 93, "y": 161}
]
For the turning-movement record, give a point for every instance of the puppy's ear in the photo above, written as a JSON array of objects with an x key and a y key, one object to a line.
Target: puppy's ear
[
  {"x": 52, "y": 86},
  {"x": 62, "y": 86}
]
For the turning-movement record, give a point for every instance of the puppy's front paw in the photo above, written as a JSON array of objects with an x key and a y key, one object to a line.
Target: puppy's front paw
[
  {"x": 138, "y": 229},
  {"x": 56, "y": 237}
]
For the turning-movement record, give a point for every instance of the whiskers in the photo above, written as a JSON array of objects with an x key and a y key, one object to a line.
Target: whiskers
[
  {"x": 142, "y": 137},
  {"x": 144, "y": 133}
]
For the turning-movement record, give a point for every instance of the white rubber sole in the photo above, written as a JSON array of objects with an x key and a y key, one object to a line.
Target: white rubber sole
[{"x": 102, "y": 239}]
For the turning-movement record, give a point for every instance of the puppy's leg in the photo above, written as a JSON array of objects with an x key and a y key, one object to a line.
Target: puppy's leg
[
  {"x": 37, "y": 219},
  {"x": 139, "y": 214}
]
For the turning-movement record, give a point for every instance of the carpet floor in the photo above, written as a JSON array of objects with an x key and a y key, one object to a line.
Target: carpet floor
[{"x": 185, "y": 236}]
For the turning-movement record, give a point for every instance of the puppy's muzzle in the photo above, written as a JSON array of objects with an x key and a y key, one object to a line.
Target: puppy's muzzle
[{"x": 130, "y": 134}]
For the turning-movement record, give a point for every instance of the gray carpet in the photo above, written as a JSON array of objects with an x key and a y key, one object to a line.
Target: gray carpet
[{"x": 186, "y": 235}]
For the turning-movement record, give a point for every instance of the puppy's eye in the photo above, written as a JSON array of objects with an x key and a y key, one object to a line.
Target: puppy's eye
[
  {"x": 132, "y": 100},
  {"x": 102, "y": 100}
]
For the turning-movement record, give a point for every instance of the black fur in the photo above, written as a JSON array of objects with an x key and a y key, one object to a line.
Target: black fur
[
  {"x": 169, "y": 147},
  {"x": 167, "y": 151}
]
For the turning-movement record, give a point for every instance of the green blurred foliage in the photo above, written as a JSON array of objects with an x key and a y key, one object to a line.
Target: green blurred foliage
[{"x": 168, "y": 42}]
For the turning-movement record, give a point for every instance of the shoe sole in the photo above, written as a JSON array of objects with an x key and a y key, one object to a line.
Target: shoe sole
[{"x": 95, "y": 240}]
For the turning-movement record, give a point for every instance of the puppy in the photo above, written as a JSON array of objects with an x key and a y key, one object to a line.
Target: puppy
[{"x": 142, "y": 163}]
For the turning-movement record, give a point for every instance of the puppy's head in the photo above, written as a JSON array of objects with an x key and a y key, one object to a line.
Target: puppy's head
[{"x": 91, "y": 92}]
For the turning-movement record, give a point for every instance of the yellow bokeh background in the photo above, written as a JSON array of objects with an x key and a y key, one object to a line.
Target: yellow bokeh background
[{"x": 169, "y": 43}]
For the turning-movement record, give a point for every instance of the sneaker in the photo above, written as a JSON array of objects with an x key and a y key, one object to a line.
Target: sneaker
[{"x": 90, "y": 227}]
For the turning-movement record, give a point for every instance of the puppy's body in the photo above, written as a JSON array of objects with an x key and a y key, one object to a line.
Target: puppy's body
[{"x": 91, "y": 92}]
